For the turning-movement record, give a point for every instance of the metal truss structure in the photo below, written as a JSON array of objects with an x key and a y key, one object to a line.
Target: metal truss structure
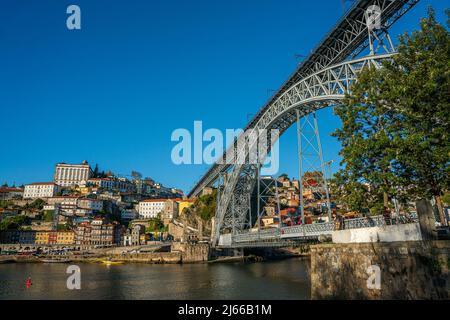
[
  {"x": 310, "y": 158},
  {"x": 347, "y": 40},
  {"x": 267, "y": 196},
  {"x": 321, "y": 80},
  {"x": 320, "y": 90},
  {"x": 288, "y": 236}
]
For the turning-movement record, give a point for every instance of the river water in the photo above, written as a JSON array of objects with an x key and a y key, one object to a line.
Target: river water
[{"x": 282, "y": 280}]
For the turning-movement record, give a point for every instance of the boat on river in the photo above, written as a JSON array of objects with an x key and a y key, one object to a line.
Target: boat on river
[
  {"x": 56, "y": 260},
  {"x": 109, "y": 263}
]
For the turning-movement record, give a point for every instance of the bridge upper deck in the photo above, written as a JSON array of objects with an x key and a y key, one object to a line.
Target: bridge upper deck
[{"x": 347, "y": 39}]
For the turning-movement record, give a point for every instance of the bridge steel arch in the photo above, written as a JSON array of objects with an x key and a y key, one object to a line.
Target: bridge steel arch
[
  {"x": 321, "y": 80},
  {"x": 321, "y": 89},
  {"x": 347, "y": 39}
]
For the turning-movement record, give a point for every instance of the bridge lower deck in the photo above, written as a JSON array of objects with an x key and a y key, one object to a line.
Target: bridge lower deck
[{"x": 291, "y": 236}]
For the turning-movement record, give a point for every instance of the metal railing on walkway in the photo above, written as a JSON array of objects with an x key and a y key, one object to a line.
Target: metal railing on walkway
[{"x": 316, "y": 229}]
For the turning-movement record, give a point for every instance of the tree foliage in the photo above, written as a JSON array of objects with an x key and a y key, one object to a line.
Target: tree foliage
[
  {"x": 36, "y": 204},
  {"x": 155, "y": 225},
  {"x": 203, "y": 207},
  {"x": 48, "y": 215},
  {"x": 396, "y": 124},
  {"x": 12, "y": 223},
  {"x": 6, "y": 204}
]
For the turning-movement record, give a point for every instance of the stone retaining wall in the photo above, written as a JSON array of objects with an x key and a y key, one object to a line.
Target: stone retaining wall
[
  {"x": 408, "y": 270},
  {"x": 154, "y": 257},
  {"x": 192, "y": 252}
]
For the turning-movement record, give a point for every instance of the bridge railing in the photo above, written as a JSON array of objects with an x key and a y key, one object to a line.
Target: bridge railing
[
  {"x": 307, "y": 230},
  {"x": 317, "y": 229},
  {"x": 369, "y": 222},
  {"x": 376, "y": 221},
  {"x": 266, "y": 234}
]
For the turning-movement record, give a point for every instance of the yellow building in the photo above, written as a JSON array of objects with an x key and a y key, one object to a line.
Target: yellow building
[
  {"x": 41, "y": 237},
  {"x": 184, "y": 204},
  {"x": 143, "y": 238},
  {"x": 65, "y": 237},
  {"x": 85, "y": 190},
  {"x": 267, "y": 221},
  {"x": 55, "y": 237}
]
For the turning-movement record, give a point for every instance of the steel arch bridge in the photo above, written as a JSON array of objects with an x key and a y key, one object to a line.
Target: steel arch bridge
[{"x": 321, "y": 80}]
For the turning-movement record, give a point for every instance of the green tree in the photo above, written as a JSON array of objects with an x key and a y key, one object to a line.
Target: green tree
[
  {"x": 395, "y": 132},
  {"x": 36, "y": 204},
  {"x": 419, "y": 80},
  {"x": 63, "y": 227},
  {"x": 203, "y": 207},
  {"x": 12, "y": 223},
  {"x": 367, "y": 145},
  {"x": 95, "y": 172},
  {"x": 446, "y": 198},
  {"x": 6, "y": 204},
  {"x": 48, "y": 215},
  {"x": 155, "y": 224},
  {"x": 355, "y": 195},
  {"x": 206, "y": 206}
]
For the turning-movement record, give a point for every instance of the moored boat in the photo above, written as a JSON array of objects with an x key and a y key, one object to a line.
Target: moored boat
[
  {"x": 108, "y": 262},
  {"x": 56, "y": 260}
]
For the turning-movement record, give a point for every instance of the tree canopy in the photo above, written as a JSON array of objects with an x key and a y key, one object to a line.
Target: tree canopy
[
  {"x": 36, "y": 204},
  {"x": 12, "y": 223},
  {"x": 396, "y": 124}
]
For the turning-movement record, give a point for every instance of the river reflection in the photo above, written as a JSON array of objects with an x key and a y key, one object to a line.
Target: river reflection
[{"x": 287, "y": 279}]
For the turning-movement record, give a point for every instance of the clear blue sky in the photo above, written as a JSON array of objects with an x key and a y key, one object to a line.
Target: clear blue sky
[{"x": 113, "y": 92}]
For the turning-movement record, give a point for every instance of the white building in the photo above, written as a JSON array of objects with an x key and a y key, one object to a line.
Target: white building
[
  {"x": 116, "y": 184},
  {"x": 41, "y": 190},
  {"x": 68, "y": 175},
  {"x": 75, "y": 205},
  {"x": 127, "y": 239},
  {"x": 63, "y": 200},
  {"x": 10, "y": 193},
  {"x": 90, "y": 204},
  {"x": 150, "y": 208},
  {"x": 105, "y": 183}
]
